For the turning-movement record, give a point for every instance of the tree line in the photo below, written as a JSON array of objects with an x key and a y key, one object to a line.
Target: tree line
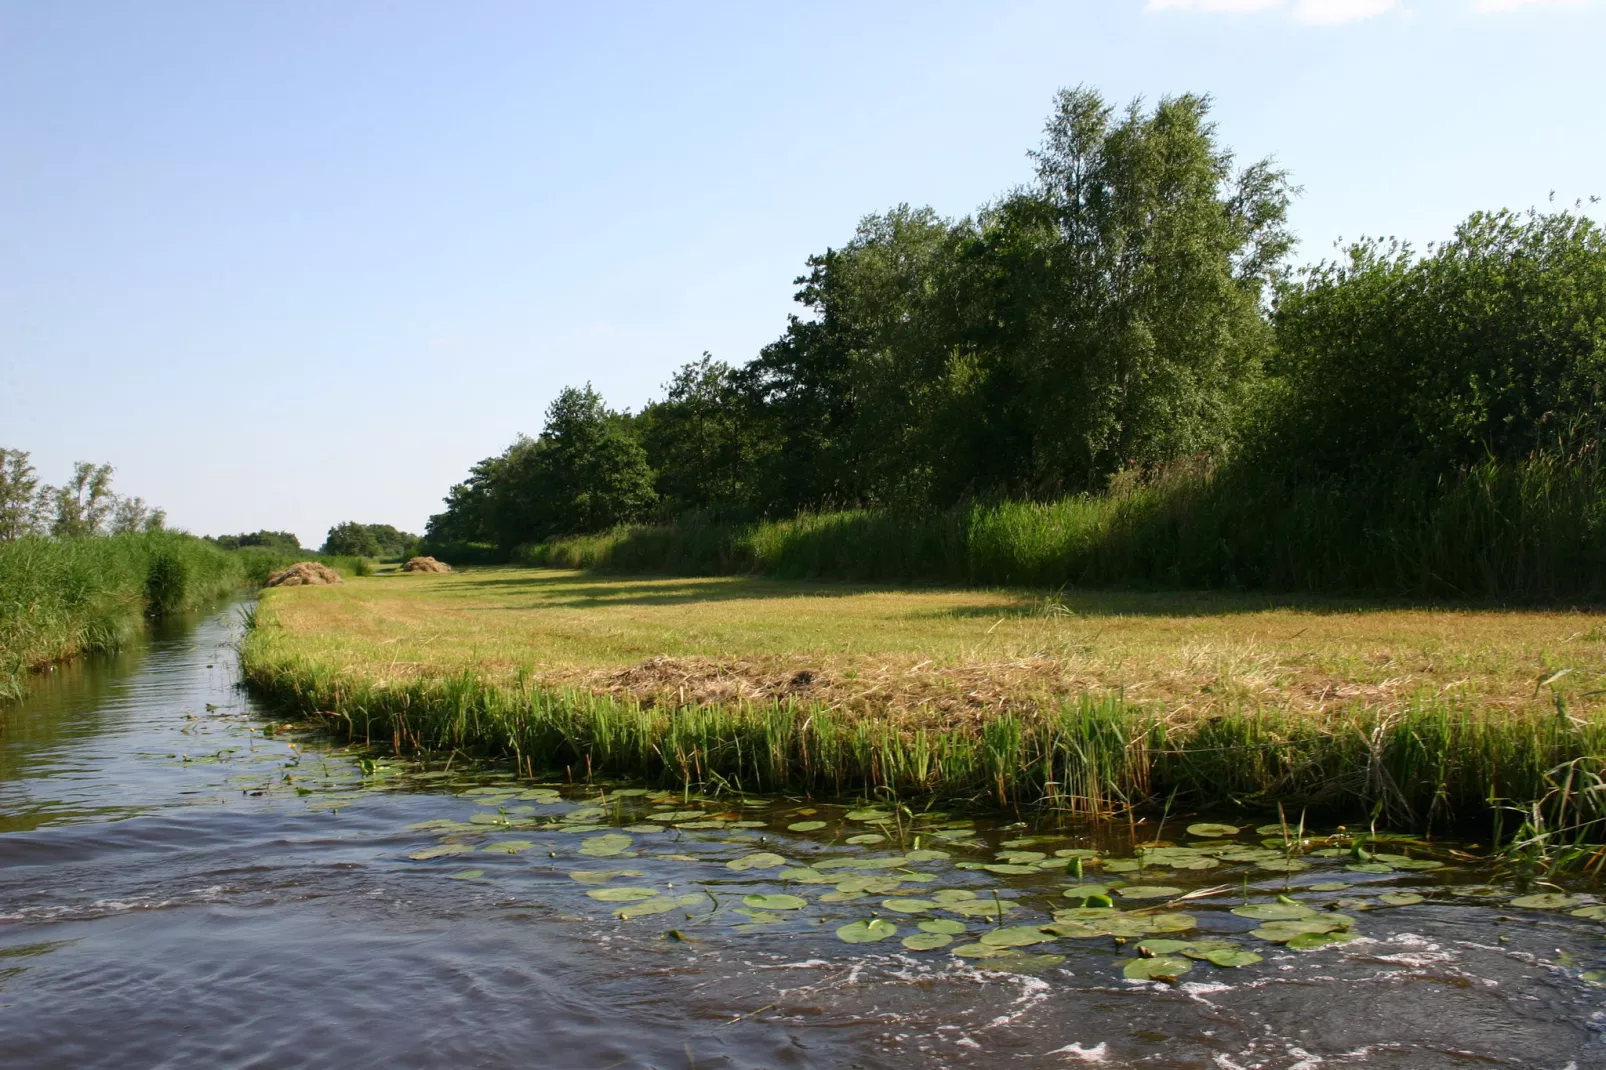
[
  {"x": 82, "y": 506},
  {"x": 1129, "y": 309}
]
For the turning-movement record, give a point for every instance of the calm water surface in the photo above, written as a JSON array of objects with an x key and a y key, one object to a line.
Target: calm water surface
[{"x": 183, "y": 886}]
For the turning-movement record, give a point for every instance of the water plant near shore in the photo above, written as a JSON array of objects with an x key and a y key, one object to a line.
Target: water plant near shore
[{"x": 1432, "y": 763}]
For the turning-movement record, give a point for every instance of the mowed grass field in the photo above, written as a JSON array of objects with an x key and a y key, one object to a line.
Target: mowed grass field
[{"x": 938, "y": 656}]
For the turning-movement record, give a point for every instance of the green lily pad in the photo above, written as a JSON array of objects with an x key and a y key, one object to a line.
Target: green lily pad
[
  {"x": 1016, "y": 936},
  {"x": 910, "y": 906},
  {"x": 1593, "y": 913},
  {"x": 866, "y": 932},
  {"x": 1148, "y": 891},
  {"x": 945, "y": 926},
  {"x": 606, "y": 846},
  {"x": 1083, "y": 891},
  {"x": 508, "y": 847},
  {"x": 621, "y": 895},
  {"x": 839, "y": 896},
  {"x": 980, "y": 908},
  {"x": 662, "y": 904},
  {"x": 868, "y": 815},
  {"x": 588, "y": 813},
  {"x": 927, "y": 941},
  {"x": 602, "y": 876},
  {"x": 1328, "y": 886},
  {"x": 1008, "y": 869},
  {"x": 1021, "y": 858},
  {"x": 1370, "y": 867},
  {"x": 757, "y": 860},
  {"x": 1312, "y": 941},
  {"x": 982, "y": 951},
  {"x": 776, "y": 902},
  {"x": 1401, "y": 899},
  {"x": 441, "y": 851},
  {"x": 1122, "y": 865},
  {"x": 1210, "y": 831},
  {"x": 1545, "y": 901},
  {"x": 466, "y": 875},
  {"x": 926, "y": 854},
  {"x": 1162, "y": 946},
  {"x": 864, "y": 839},
  {"x": 1158, "y": 968},
  {"x": 805, "y": 826},
  {"x": 1274, "y": 911},
  {"x": 1232, "y": 957}
]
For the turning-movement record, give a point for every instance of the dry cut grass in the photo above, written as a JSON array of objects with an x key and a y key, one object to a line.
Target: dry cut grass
[{"x": 942, "y": 656}]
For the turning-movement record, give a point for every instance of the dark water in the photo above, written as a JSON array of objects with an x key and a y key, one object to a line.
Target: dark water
[{"x": 178, "y": 888}]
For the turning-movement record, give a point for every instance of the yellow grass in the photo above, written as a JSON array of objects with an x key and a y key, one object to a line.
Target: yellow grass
[{"x": 940, "y": 655}]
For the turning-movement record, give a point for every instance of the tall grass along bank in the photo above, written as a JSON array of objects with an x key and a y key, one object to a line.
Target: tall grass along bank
[
  {"x": 1438, "y": 761},
  {"x": 62, "y": 597},
  {"x": 1534, "y": 530}
]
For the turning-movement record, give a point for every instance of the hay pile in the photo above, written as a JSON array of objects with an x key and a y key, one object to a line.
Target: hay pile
[
  {"x": 425, "y": 564},
  {"x": 304, "y": 574}
]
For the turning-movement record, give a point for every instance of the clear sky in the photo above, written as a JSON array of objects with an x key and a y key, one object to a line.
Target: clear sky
[{"x": 287, "y": 264}]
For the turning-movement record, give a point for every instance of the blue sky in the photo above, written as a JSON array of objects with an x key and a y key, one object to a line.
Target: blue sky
[{"x": 290, "y": 264}]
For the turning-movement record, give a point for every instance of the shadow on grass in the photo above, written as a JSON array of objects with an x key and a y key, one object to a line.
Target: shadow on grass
[{"x": 589, "y": 590}]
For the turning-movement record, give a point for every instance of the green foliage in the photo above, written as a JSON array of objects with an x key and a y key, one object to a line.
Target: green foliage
[
  {"x": 1530, "y": 529},
  {"x": 587, "y": 472},
  {"x": 81, "y": 507},
  {"x": 281, "y": 541},
  {"x": 352, "y": 539},
  {"x": 1491, "y": 346},
  {"x": 18, "y": 486},
  {"x": 61, "y": 597}
]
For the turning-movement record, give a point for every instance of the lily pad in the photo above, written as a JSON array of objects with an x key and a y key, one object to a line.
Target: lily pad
[
  {"x": 1008, "y": 869},
  {"x": 757, "y": 860},
  {"x": 982, "y": 951},
  {"x": 1148, "y": 891},
  {"x": 776, "y": 902},
  {"x": 676, "y": 815},
  {"x": 1312, "y": 941},
  {"x": 1211, "y": 831},
  {"x": 1370, "y": 867},
  {"x": 466, "y": 875},
  {"x": 926, "y": 854},
  {"x": 1401, "y": 899},
  {"x": 1274, "y": 911},
  {"x": 866, "y": 932},
  {"x": 662, "y": 904},
  {"x": 805, "y": 826},
  {"x": 1122, "y": 865},
  {"x": 868, "y": 815},
  {"x": 441, "y": 851},
  {"x": 1021, "y": 858},
  {"x": 621, "y": 895},
  {"x": 1593, "y": 913},
  {"x": 1158, "y": 968},
  {"x": 980, "y": 908},
  {"x": 508, "y": 847},
  {"x": 1545, "y": 901},
  {"x": 945, "y": 926},
  {"x": 606, "y": 846},
  {"x": 865, "y": 839},
  {"x": 840, "y": 896},
  {"x": 1329, "y": 886},
  {"x": 927, "y": 941},
  {"x": 1016, "y": 936},
  {"x": 910, "y": 906},
  {"x": 602, "y": 876},
  {"x": 952, "y": 895},
  {"x": 1231, "y": 957}
]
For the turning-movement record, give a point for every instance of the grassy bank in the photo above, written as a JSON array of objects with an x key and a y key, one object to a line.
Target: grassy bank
[
  {"x": 1087, "y": 703},
  {"x": 63, "y": 597},
  {"x": 1533, "y": 531}
]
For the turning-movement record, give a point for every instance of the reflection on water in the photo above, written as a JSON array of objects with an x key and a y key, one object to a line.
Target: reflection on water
[{"x": 183, "y": 883}]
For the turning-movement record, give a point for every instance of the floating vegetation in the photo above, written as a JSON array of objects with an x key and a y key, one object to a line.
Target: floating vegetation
[{"x": 865, "y": 932}]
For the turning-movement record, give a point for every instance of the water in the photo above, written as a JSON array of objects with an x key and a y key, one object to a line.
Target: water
[{"x": 179, "y": 888}]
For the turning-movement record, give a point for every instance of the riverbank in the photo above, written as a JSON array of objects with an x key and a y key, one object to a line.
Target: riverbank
[
  {"x": 60, "y": 598},
  {"x": 1088, "y": 703}
]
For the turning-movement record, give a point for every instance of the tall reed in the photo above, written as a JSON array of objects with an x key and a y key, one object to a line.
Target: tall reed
[
  {"x": 61, "y": 597},
  {"x": 1535, "y": 530}
]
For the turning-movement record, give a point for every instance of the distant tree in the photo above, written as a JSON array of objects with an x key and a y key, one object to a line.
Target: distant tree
[
  {"x": 18, "y": 489},
  {"x": 81, "y": 507},
  {"x": 351, "y": 539},
  {"x": 283, "y": 541},
  {"x": 590, "y": 473},
  {"x": 133, "y": 515}
]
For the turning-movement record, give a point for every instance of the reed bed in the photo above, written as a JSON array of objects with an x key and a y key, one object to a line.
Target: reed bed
[
  {"x": 1532, "y": 531},
  {"x": 63, "y": 597}
]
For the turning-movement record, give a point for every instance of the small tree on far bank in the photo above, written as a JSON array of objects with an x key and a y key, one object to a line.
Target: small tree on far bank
[
  {"x": 19, "y": 486},
  {"x": 82, "y": 506}
]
